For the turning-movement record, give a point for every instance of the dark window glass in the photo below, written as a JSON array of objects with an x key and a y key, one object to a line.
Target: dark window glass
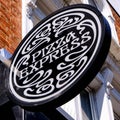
[{"x": 85, "y": 104}]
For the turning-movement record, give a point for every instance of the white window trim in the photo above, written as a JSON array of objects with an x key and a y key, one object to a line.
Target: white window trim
[
  {"x": 116, "y": 5},
  {"x": 29, "y": 12},
  {"x": 93, "y": 106},
  {"x": 78, "y": 110}
]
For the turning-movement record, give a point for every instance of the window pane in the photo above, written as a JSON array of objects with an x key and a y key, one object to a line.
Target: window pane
[
  {"x": 34, "y": 116},
  {"x": 85, "y": 104}
]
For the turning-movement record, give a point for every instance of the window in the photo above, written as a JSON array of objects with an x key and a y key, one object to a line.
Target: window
[
  {"x": 85, "y": 105},
  {"x": 88, "y": 106},
  {"x": 34, "y": 116},
  {"x": 82, "y": 107}
]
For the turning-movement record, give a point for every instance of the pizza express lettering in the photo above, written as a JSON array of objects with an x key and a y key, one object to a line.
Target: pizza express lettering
[{"x": 50, "y": 53}]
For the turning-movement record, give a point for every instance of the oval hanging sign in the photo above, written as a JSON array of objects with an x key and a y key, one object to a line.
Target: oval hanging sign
[{"x": 59, "y": 57}]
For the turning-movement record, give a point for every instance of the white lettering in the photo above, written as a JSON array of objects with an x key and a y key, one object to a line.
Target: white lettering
[
  {"x": 43, "y": 60},
  {"x": 35, "y": 55},
  {"x": 51, "y": 53},
  {"x": 54, "y": 55},
  {"x": 75, "y": 44},
  {"x": 64, "y": 50},
  {"x": 24, "y": 73}
]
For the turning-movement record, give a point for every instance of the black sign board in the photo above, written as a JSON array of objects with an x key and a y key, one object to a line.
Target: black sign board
[{"x": 59, "y": 57}]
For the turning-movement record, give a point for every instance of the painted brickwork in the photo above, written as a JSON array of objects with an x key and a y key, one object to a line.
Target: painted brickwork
[{"x": 10, "y": 24}]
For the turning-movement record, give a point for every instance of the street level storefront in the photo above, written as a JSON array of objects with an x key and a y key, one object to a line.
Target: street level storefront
[{"x": 99, "y": 94}]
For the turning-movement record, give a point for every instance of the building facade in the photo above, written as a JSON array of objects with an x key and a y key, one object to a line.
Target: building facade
[{"x": 101, "y": 98}]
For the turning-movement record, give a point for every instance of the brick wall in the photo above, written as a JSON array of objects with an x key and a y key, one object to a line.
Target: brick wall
[
  {"x": 10, "y": 24},
  {"x": 117, "y": 23}
]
